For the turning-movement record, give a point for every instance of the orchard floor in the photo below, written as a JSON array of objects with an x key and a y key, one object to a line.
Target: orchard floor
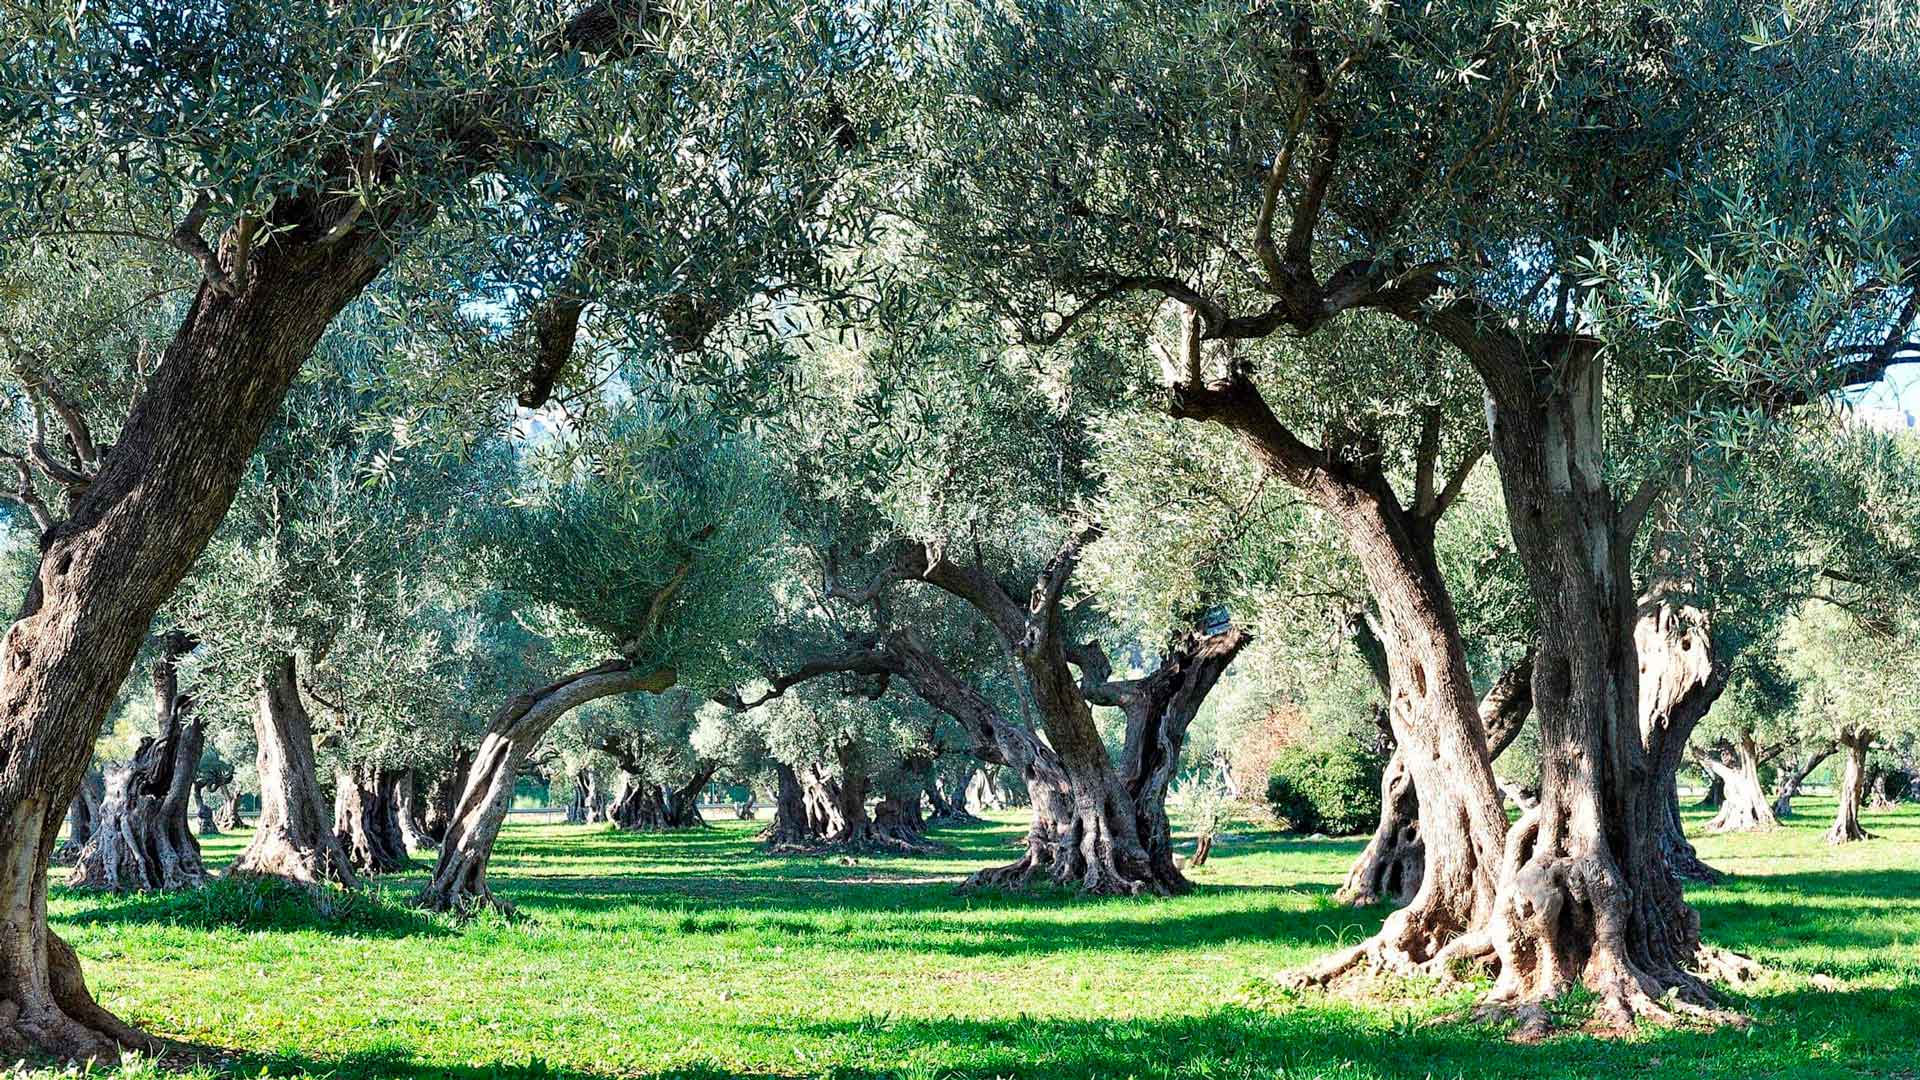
[{"x": 696, "y": 956}]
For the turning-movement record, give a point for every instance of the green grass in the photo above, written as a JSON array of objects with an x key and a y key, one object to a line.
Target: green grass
[{"x": 697, "y": 956}]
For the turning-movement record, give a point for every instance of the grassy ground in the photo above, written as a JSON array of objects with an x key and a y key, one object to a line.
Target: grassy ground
[{"x": 696, "y": 956}]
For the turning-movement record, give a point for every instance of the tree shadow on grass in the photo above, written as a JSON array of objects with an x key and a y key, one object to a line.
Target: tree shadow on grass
[{"x": 381, "y": 910}]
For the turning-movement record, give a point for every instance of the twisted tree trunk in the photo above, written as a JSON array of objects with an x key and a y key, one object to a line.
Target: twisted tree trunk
[
  {"x": 1680, "y": 679},
  {"x": 208, "y": 826},
  {"x": 365, "y": 821},
  {"x": 293, "y": 838},
  {"x": 683, "y": 802},
  {"x": 1715, "y": 795},
  {"x": 227, "y": 818},
  {"x": 1586, "y": 895},
  {"x": 1745, "y": 808},
  {"x": 1431, "y": 705},
  {"x": 792, "y": 826},
  {"x": 142, "y": 841},
  {"x": 1394, "y": 861},
  {"x": 459, "y": 881},
  {"x": 1795, "y": 775},
  {"x": 1846, "y": 821},
  {"x": 405, "y": 800}
]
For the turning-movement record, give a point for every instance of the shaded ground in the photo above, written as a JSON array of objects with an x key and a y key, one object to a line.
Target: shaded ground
[{"x": 697, "y": 956}]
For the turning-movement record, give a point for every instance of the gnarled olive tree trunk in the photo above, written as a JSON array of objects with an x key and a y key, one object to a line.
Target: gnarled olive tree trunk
[
  {"x": 1431, "y": 703},
  {"x": 1854, "y": 745},
  {"x": 1680, "y": 679},
  {"x": 81, "y": 816},
  {"x": 293, "y": 838},
  {"x": 227, "y": 817},
  {"x": 443, "y": 794},
  {"x": 128, "y": 539},
  {"x": 141, "y": 840},
  {"x": 792, "y": 826},
  {"x": 406, "y": 812},
  {"x": 1586, "y": 895},
  {"x": 1394, "y": 861},
  {"x": 459, "y": 881},
  {"x": 1793, "y": 776},
  {"x": 366, "y": 823},
  {"x": 1745, "y": 807}
]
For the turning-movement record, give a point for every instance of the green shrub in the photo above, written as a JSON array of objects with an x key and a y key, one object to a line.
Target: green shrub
[{"x": 1329, "y": 787}]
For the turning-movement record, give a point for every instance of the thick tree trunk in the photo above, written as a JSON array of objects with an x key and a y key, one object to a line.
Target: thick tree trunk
[
  {"x": 683, "y": 802},
  {"x": 128, "y": 539},
  {"x": 1394, "y": 861},
  {"x": 584, "y": 808},
  {"x": 1846, "y": 821},
  {"x": 899, "y": 820},
  {"x": 1586, "y": 896},
  {"x": 792, "y": 826},
  {"x": 293, "y": 838},
  {"x": 641, "y": 806},
  {"x": 1746, "y": 807},
  {"x": 1680, "y": 679},
  {"x": 1887, "y": 788},
  {"x": 1431, "y": 703},
  {"x": 142, "y": 841},
  {"x": 984, "y": 792},
  {"x": 460, "y": 877},
  {"x": 365, "y": 821},
  {"x": 945, "y": 810}
]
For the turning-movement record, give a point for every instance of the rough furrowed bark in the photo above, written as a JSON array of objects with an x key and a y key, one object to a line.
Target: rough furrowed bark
[
  {"x": 1430, "y": 701},
  {"x": 142, "y": 841},
  {"x": 405, "y": 800},
  {"x": 1586, "y": 896},
  {"x": 1846, "y": 820},
  {"x": 443, "y": 794},
  {"x": 1393, "y": 863},
  {"x": 365, "y": 822},
  {"x": 459, "y": 883},
  {"x": 293, "y": 837}
]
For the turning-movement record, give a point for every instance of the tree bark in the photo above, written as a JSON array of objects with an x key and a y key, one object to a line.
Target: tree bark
[
  {"x": 1715, "y": 795},
  {"x": 1846, "y": 821},
  {"x": 1746, "y": 807},
  {"x": 227, "y": 818},
  {"x": 293, "y": 838},
  {"x": 406, "y": 811},
  {"x": 792, "y": 827},
  {"x": 1431, "y": 704},
  {"x": 82, "y": 815},
  {"x": 1393, "y": 863},
  {"x": 443, "y": 795},
  {"x": 1586, "y": 896},
  {"x": 365, "y": 821},
  {"x": 459, "y": 881},
  {"x": 208, "y": 826},
  {"x": 1795, "y": 775},
  {"x": 683, "y": 802},
  {"x": 142, "y": 841}
]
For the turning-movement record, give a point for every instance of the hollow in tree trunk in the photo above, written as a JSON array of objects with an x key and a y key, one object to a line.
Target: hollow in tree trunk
[
  {"x": 293, "y": 838},
  {"x": 142, "y": 841},
  {"x": 1745, "y": 807},
  {"x": 459, "y": 882},
  {"x": 1846, "y": 821},
  {"x": 365, "y": 821}
]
